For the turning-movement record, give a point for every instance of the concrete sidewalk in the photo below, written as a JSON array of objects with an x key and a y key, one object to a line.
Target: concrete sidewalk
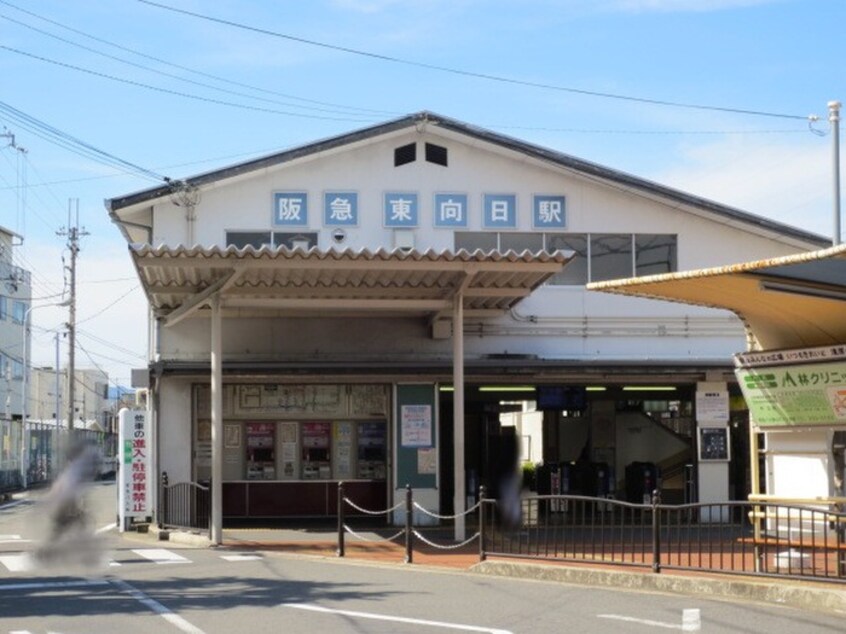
[{"x": 323, "y": 543}]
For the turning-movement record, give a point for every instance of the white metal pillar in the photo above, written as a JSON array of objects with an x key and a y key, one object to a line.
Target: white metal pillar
[
  {"x": 459, "y": 495},
  {"x": 216, "y": 423}
]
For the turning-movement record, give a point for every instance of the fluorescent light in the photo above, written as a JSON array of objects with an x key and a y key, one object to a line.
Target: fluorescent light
[
  {"x": 805, "y": 290},
  {"x": 649, "y": 388},
  {"x": 446, "y": 388},
  {"x": 507, "y": 388},
  {"x": 595, "y": 388}
]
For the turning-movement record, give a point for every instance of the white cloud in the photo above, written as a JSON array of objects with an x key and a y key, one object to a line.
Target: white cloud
[{"x": 787, "y": 180}]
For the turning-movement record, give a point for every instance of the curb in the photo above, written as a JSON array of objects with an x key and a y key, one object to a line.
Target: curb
[
  {"x": 806, "y": 596},
  {"x": 179, "y": 537}
]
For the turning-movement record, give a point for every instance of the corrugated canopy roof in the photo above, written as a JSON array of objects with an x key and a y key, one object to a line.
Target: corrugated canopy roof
[
  {"x": 180, "y": 280},
  {"x": 788, "y": 302}
]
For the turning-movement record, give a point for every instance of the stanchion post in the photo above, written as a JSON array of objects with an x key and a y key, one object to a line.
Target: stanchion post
[
  {"x": 340, "y": 519},
  {"x": 163, "y": 499},
  {"x": 482, "y": 544},
  {"x": 656, "y": 531},
  {"x": 409, "y": 514}
]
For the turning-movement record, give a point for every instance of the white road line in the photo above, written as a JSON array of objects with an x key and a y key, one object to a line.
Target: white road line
[
  {"x": 52, "y": 585},
  {"x": 241, "y": 557},
  {"x": 13, "y": 539},
  {"x": 12, "y": 504},
  {"x": 395, "y": 619},
  {"x": 161, "y": 556},
  {"x": 691, "y": 621},
  {"x": 158, "y": 608},
  {"x": 108, "y": 527},
  {"x": 16, "y": 563}
]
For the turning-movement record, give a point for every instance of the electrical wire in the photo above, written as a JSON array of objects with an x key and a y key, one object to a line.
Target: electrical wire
[
  {"x": 178, "y": 93},
  {"x": 63, "y": 139},
  {"x": 173, "y": 76},
  {"x": 192, "y": 70},
  {"x": 466, "y": 73},
  {"x": 108, "y": 306}
]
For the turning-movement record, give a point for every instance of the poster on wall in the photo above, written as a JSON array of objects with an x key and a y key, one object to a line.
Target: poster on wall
[
  {"x": 288, "y": 438},
  {"x": 416, "y": 425},
  {"x": 343, "y": 463},
  {"x": 427, "y": 461},
  {"x": 712, "y": 406}
]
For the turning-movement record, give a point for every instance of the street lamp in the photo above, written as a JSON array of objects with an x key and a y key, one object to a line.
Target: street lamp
[{"x": 24, "y": 395}]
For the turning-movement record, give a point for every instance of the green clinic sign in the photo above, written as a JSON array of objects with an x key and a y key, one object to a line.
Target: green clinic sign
[{"x": 791, "y": 395}]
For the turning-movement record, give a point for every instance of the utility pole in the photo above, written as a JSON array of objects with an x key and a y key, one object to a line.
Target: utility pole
[
  {"x": 834, "y": 119},
  {"x": 73, "y": 233}
]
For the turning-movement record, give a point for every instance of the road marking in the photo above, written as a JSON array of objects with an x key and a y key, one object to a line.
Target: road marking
[
  {"x": 9, "y": 539},
  {"x": 691, "y": 621},
  {"x": 396, "y": 619},
  {"x": 52, "y": 585},
  {"x": 13, "y": 504},
  {"x": 16, "y": 563},
  {"x": 158, "y": 608},
  {"x": 108, "y": 527},
  {"x": 241, "y": 557},
  {"x": 161, "y": 556}
]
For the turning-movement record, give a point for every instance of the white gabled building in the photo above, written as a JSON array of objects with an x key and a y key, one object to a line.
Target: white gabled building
[{"x": 345, "y": 288}]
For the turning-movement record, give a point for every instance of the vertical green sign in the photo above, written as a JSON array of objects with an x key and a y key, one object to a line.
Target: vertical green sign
[{"x": 415, "y": 436}]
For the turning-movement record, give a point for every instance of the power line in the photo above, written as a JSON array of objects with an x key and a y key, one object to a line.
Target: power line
[
  {"x": 220, "y": 102},
  {"x": 63, "y": 139},
  {"x": 173, "y": 76},
  {"x": 191, "y": 70},
  {"x": 477, "y": 75}
]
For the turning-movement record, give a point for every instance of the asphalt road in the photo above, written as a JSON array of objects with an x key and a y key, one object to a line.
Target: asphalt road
[{"x": 146, "y": 586}]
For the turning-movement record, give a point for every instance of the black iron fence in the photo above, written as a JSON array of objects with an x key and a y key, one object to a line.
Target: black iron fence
[
  {"x": 761, "y": 538},
  {"x": 184, "y": 505},
  {"x": 806, "y": 541}
]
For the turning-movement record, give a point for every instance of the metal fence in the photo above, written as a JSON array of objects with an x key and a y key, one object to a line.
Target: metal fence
[
  {"x": 805, "y": 541},
  {"x": 749, "y": 538},
  {"x": 39, "y": 447},
  {"x": 184, "y": 505}
]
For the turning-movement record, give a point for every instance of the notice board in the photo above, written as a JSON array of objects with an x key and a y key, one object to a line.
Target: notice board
[{"x": 415, "y": 430}]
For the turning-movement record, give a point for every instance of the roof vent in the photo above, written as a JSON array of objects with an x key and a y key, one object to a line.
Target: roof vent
[
  {"x": 436, "y": 154},
  {"x": 405, "y": 154}
]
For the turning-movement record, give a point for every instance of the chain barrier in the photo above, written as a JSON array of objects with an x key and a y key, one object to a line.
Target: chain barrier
[
  {"x": 441, "y": 546},
  {"x": 372, "y": 539},
  {"x": 368, "y": 512},
  {"x": 446, "y": 517}
]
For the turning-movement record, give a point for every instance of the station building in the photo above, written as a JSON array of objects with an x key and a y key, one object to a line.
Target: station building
[{"x": 365, "y": 307}]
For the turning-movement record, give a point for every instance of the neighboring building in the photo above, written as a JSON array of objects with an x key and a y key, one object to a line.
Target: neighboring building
[
  {"x": 93, "y": 408},
  {"x": 370, "y": 299},
  {"x": 15, "y": 297}
]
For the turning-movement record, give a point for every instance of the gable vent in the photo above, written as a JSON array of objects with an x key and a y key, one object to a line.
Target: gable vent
[
  {"x": 436, "y": 154},
  {"x": 405, "y": 154}
]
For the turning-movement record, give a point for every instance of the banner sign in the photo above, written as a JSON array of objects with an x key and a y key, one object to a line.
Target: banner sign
[
  {"x": 135, "y": 475},
  {"x": 795, "y": 395}
]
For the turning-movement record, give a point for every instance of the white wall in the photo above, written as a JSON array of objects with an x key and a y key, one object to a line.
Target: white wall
[{"x": 553, "y": 323}]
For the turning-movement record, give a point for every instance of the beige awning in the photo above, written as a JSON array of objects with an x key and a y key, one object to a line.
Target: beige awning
[
  {"x": 788, "y": 302},
  {"x": 180, "y": 280}
]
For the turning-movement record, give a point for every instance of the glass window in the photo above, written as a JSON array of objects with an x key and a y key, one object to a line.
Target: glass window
[
  {"x": 575, "y": 272},
  {"x": 655, "y": 253},
  {"x": 18, "y": 312},
  {"x": 295, "y": 240},
  {"x": 476, "y": 240},
  {"x": 610, "y": 256},
  {"x": 4, "y": 307},
  {"x": 17, "y": 369},
  {"x": 242, "y": 239},
  {"x": 520, "y": 242}
]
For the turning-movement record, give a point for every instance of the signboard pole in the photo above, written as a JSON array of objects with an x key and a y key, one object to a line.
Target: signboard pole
[
  {"x": 712, "y": 418},
  {"x": 135, "y": 476}
]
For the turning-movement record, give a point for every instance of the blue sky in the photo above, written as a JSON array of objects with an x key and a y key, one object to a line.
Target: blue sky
[{"x": 60, "y": 63}]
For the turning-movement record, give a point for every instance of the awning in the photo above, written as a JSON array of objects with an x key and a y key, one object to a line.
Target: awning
[
  {"x": 787, "y": 302},
  {"x": 180, "y": 280}
]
